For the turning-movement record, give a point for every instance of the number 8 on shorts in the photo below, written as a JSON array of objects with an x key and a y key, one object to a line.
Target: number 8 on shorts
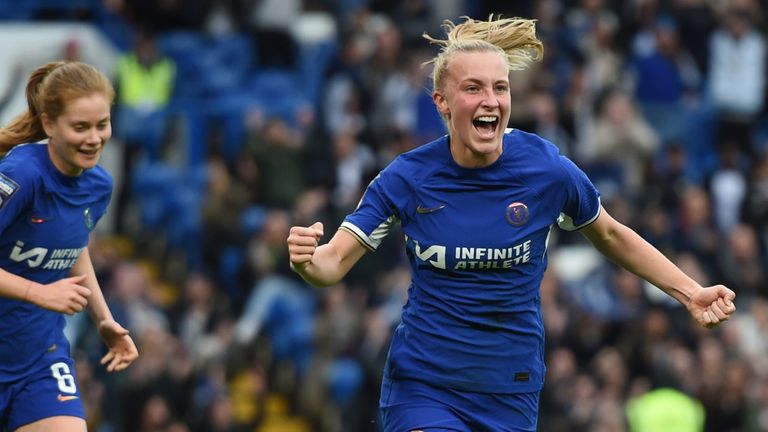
[{"x": 64, "y": 377}]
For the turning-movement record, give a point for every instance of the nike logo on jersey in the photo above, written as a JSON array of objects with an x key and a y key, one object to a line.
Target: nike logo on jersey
[
  {"x": 423, "y": 210},
  {"x": 63, "y": 398}
]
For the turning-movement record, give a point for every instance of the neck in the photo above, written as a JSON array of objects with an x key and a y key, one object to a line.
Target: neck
[{"x": 466, "y": 157}]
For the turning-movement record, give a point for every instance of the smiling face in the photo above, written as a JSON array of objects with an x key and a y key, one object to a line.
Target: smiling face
[
  {"x": 475, "y": 101},
  {"x": 77, "y": 137}
]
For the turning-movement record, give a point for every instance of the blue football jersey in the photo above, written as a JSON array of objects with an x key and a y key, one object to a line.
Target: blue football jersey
[
  {"x": 45, "y": 221},
  {"x": 476, "y": 240}
]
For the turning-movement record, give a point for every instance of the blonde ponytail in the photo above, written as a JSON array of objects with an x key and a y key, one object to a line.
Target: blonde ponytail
[{"x": 514, "y": 38}]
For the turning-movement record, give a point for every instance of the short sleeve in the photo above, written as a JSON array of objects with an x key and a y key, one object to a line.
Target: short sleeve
[
  {"x": 105, "y": 186},
  {"x": 376, "y": 214},
  {"x": 581, "y": 204},
  {"x": 16, "y": 193}
]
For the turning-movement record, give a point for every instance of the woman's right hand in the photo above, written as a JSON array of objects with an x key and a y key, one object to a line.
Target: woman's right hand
[
  {"x": 65, "y": 295},
  {"x": 302, "y": 243}
]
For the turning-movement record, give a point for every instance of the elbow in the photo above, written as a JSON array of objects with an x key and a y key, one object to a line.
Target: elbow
[{"x": 316, "y": 280}]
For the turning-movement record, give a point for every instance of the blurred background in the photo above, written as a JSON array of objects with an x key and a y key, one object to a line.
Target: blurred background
[{"x": 236, "y": 119}]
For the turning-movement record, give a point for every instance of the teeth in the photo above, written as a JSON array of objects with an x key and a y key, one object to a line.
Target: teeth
[{"x": 487, "y": 118}]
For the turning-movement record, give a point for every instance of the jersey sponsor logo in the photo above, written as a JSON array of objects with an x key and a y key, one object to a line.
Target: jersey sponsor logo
[
  {"x": 517, "y": 214},
  {"x": 8, "y": 187},
  {"x": 34, "y": 256},
  {"x": 475, "y": 258},
  {"x": 424, "y": 210},
  {"x": 480, "y": 258},
  {"x": 63, "y": 398},
  {"x": 36, "y": 220},
  {"x": 58, "y": 259},
  {"x": 435, "y": 251}
]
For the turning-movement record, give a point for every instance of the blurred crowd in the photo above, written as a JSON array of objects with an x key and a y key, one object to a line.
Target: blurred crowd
[{"x": 237, "y": 119}]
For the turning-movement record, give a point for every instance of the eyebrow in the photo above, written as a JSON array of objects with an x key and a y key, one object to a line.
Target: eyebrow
[
  {"x": 79, "y": 122},
  {"x": 479, "y": 81}
]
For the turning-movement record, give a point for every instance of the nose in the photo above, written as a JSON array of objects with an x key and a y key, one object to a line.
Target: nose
[
  {"x": 93, "y": 137},
  {"x": 490, "y": 99}
]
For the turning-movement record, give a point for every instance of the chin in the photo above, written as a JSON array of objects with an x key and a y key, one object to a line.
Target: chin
[
  {"x": 487, "y": 147},
  {"x": 85, "y": 165}
]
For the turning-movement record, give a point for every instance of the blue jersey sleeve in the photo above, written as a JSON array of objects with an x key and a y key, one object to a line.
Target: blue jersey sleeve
[
  {"x": 377, "y": 213},
  {"x": 104, "y": 185},
  {"x": 581, "y": 199},
  {"x": 16, "y": 193}
]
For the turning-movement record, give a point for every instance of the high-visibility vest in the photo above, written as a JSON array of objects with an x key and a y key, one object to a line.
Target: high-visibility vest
[
  {"x": 145, "y": 86},
  {"x": 665, "y": 410}
]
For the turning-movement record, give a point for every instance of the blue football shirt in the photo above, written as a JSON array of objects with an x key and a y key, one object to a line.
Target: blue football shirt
[
  {"x": 476, "y": 240},
  {"x": 45, "y": 220}
]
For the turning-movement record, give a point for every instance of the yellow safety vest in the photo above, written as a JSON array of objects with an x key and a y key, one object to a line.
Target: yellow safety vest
[
  {"x": 142, "y": 86},
  {"x": 665, "y": 410}
]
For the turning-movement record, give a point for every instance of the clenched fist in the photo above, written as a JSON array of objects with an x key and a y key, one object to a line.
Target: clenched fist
[
  {"x": 302, "y": 243},
  {"x": 712, "y": 305}
]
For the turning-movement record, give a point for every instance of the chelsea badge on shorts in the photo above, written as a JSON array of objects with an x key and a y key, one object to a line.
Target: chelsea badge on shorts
[{"x": 517, "y": 213}]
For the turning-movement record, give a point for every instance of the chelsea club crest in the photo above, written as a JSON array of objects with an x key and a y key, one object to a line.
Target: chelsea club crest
[
  {"x": 88, "y": 218},
  {"x": 517, "y": 214}
]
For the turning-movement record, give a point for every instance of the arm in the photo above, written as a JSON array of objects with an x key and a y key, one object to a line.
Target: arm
[
  {"x": 97, "y": 305},
  {"x": 709, "y": 306},
  {"x": 67, "y": 295},
  {"x": 322, "y": 265},
  {"x": 19, "y": 288},
  {"x": 122, "y": 350}
]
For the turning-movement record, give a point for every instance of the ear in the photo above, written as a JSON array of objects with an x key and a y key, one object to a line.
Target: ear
[
  {"x": 441, "y": 103},
  {"x": 48, "y": 124}
]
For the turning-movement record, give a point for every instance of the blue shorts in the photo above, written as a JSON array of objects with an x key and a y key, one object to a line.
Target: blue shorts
[
  {"x": 414, "y": 405},
  {"x": 47, "y": 391}
]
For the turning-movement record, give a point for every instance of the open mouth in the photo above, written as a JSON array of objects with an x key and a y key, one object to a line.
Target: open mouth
[
  {"x": 89, "y": 151},
  {"x": 486, "y": 125},
  {"x": 89, "y": 154}
]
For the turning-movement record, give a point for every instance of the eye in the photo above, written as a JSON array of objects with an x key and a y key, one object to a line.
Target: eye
[
  {"x": 102, "y": 126},
  {"x": 502, "y": 88},
  {"x": 79, "y": 128},
  {"x": 473, "y": 89}
]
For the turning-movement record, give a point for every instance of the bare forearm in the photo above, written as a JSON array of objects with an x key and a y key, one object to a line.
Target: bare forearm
[
  {"x": 326, "y": 267},
  {"x": 326, "y": 264},
  {"x": 15, "y": 287},
  {"x": 626, "y": 248},
  {"x": 97, "y": 304}
]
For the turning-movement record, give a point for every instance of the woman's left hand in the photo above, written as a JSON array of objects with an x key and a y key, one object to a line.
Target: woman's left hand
[
  {"x": 712, "y": 305},
  {"x": 122, "y": 350}
]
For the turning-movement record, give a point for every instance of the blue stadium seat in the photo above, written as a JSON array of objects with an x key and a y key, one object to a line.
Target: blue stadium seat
[
  {"x": 170, "y": 199},
  {"x": 29, "y": 9},
  {"x": 344, "y": 376},
  {"x": 279, "y": 93},
  {"x": 314, "y": 62}
]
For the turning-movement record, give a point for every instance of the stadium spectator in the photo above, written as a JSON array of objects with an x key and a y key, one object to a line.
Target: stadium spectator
[
  {"x": 737, "y": 77},
  {"x": 144, "y": 82},
  {"x": 623, "y": 140}
]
